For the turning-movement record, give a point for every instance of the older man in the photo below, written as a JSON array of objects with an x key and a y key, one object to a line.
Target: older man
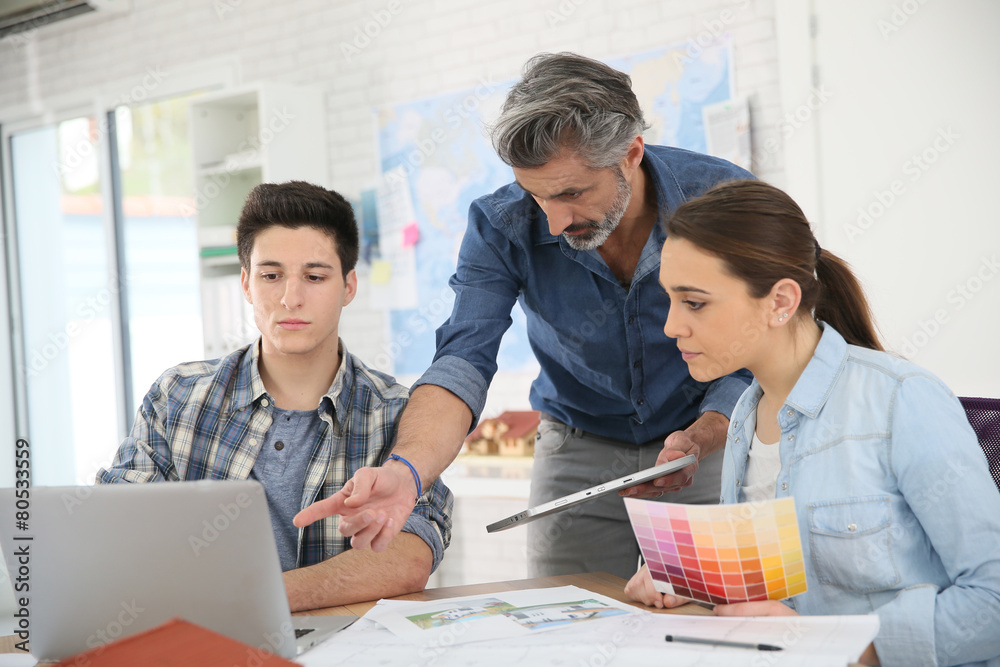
[{"x": 575, "y": 240}]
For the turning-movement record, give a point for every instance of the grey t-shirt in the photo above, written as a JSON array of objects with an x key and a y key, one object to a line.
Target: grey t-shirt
[{"x": 281, "y": 468}]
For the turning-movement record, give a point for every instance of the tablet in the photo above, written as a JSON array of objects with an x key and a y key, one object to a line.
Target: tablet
[{"x": 614, "y": 485}]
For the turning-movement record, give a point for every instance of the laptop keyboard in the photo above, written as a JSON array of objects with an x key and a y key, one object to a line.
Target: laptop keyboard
[{"x": 300, "y": 632}]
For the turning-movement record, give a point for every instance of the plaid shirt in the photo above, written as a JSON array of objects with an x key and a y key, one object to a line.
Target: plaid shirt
[{"x": 209, "y": 419}]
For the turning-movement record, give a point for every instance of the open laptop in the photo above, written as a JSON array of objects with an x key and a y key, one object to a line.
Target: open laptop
[
  {"x": 108, "y": 561},
  {"x": 615, "y": 485}
]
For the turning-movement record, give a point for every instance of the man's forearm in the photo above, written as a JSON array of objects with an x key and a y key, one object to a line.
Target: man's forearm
[
  {"x": 361, "y": 575},
  {"x": 431, "y": 430},
  {"x": 709, "y": 432}
]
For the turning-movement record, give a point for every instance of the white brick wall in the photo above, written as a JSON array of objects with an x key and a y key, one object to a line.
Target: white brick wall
[{"x": 426, "y": 47}]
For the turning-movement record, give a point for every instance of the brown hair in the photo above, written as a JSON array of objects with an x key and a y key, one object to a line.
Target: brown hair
[
  {"x": 298, "y": 204},
  {"x": 762, "y": 236}
]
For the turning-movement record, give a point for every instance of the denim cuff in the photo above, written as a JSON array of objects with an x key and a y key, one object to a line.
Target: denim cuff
[
  {"x": 906, "y": 628},
  {"x": 723, "y": 394},
  {"x": 460, "y": 378}
]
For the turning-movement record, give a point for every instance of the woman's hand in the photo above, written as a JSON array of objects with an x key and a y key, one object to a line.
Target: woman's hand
[
  {"x": 640, "y": 588},
  {"x": 760, "y": 608}
]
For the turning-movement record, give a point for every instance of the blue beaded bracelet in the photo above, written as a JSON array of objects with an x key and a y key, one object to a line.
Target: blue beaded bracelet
[{"x": 416, "y": 477}]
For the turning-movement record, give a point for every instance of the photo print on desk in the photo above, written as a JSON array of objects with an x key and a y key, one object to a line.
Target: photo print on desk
[
  {"x": 723, "y": 553},
  {"x": 533, "y": 617},
  {"x": 508, "y": 614}
]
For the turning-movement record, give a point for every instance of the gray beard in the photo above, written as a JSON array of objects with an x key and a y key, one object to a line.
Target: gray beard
[{"x": 600, "y": 231}]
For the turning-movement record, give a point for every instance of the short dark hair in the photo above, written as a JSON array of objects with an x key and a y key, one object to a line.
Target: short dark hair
[{"x": 298, "y": 204}]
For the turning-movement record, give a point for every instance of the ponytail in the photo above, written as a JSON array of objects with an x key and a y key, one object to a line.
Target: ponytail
[
  {"x": 842, "y": 304},
  {"x": 762, "y": 236}
]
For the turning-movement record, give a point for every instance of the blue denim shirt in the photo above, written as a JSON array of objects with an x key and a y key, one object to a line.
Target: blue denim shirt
[
  {"x": 606, "y": 365},
  {"x": 897, "y": 511}
]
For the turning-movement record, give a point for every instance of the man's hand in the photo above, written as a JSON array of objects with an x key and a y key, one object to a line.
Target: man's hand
[
  {"x": 705, "y": 436},
  {"x": 375, "y": 503},
  {"x": 373, "y": 506}
]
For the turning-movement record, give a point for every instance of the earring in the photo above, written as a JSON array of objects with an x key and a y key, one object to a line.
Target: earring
[{"x": 783, "y": 317}]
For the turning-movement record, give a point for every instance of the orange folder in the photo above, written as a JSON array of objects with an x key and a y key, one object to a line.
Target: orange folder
[{"x": 176, "y": 643}]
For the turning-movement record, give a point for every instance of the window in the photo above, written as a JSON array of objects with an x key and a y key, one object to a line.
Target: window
[
  {"x": 93, "y": 342},
  {"x": 160, "y": 240},
  {"x": 67, "y": 299}
]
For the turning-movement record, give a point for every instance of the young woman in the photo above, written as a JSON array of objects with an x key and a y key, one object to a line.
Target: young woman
[{"x": 897, "y": 512}]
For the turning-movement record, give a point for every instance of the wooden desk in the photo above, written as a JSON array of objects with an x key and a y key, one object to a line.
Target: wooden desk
[
  {"x": 7, "y": 644},
  {"x": 598, "y": 582}
]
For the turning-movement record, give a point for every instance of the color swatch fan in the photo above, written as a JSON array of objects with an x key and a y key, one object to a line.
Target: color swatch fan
[{"x": 721, "y": 553}]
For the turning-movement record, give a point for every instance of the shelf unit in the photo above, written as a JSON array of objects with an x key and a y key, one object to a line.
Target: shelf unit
[{"x": 264, "y": 133}]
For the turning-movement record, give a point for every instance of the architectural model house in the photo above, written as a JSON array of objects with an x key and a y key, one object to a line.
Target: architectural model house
[{"x": 510, "y": 434}]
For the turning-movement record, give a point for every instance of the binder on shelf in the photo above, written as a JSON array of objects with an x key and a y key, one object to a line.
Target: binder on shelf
[
  {"x": 227, "y": 317},
  {"x": 240, "y": 138}
]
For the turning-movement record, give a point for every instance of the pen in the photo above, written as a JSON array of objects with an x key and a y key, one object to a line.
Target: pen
[{"x": 722, "y": 642}]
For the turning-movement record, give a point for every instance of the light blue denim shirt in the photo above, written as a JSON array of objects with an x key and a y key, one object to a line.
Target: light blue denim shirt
[
  {"x": 897, "y": 512},
  {"x": 606, "y": 365}
]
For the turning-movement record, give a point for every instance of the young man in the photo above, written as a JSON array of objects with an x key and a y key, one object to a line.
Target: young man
[
  {"x": 295, "y": 410},
  {"x": 575, "y": 241}
]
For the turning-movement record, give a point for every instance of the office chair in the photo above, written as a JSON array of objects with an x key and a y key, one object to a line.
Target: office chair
[{"x": 984, "y": 415}]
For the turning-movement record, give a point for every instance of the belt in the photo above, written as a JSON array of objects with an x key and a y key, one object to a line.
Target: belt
[{"x": 580, "y": 433}]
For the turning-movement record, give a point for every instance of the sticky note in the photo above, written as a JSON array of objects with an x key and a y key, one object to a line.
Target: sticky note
[
  {"x": 411, "y": 234},
  {"x": 381, "y": 272}
]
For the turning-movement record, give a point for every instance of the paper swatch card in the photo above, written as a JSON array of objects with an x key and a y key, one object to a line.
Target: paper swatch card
[{"x": 721, "y": 553}]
